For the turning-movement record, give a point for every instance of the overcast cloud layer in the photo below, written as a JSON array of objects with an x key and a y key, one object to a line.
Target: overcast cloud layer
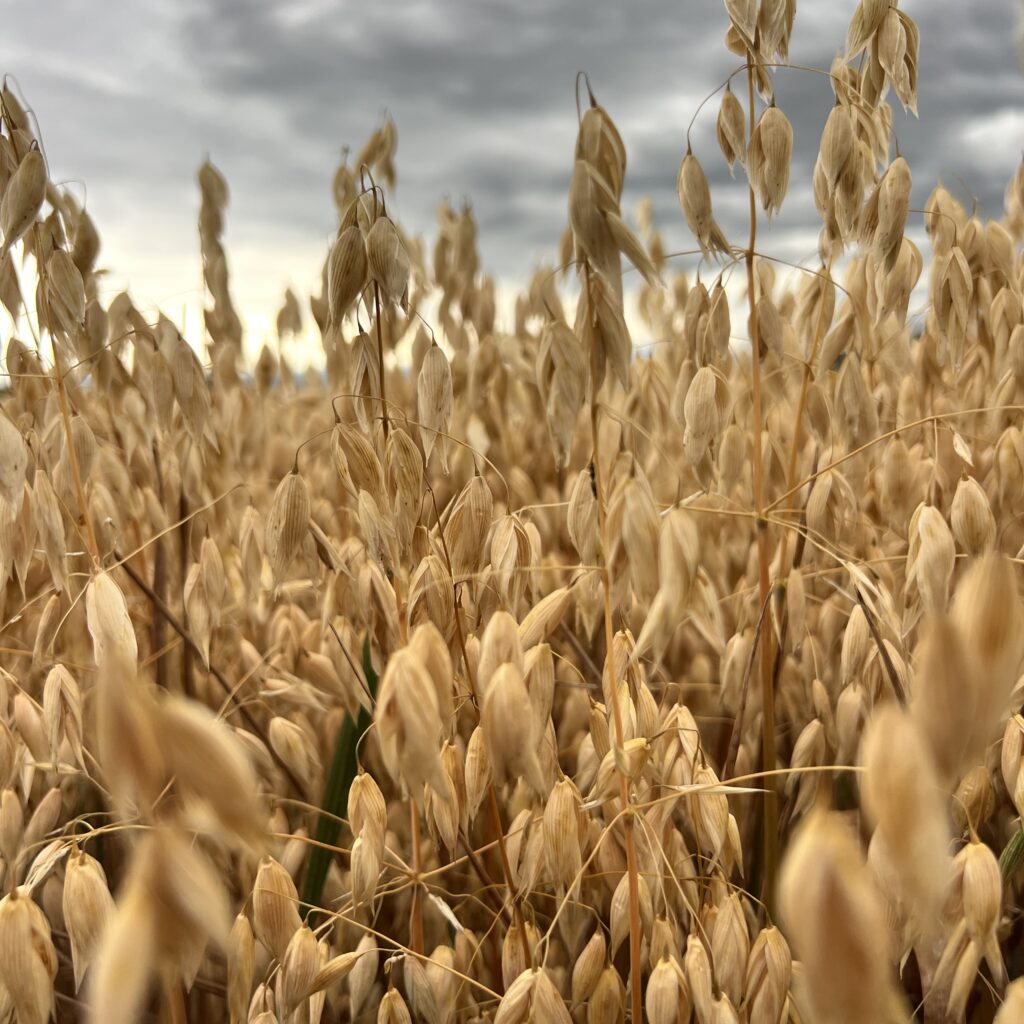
[{"x": 131, "y": 95}]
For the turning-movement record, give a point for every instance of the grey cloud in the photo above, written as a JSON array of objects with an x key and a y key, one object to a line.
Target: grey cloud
[{"x": 131, "y": 97}]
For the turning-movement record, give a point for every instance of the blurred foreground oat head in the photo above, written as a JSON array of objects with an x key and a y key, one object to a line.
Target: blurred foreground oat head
[{"x": 544, "y": 682}]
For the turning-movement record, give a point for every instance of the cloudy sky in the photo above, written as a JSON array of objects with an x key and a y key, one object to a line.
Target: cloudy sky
[{"x": 130, "y": 96}]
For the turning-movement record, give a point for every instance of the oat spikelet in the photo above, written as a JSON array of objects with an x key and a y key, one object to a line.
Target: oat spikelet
[
  {"x": 695, "y": 199},
  {"x": 388, "y": 261},
  {"x": 902, "y": 797},
  {"x": 434, "y": 403},
  {"x": 88, "y": 907},
  {"x": 286, "y": 524},
  {"x": 110, "y": 626},
  {"x": 768, "y": 157},
  {"x": 23, "y": 197},
  {"x": 28, "y": 960},
  {"x": 833, "y": 916}
]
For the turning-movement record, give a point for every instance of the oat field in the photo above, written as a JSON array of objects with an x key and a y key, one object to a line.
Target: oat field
[{"x": 503, "y": 672}]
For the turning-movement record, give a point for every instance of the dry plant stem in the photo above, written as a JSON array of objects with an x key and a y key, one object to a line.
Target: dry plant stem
[
  {"x": 489, "y": 885},
  {"x": 175, "y": 1004},
  {"x": 186, "y": 655},
  {"x": 801, "y": 405},
  {"x": 416, "y": 913},
  {"x": 380, "y": 359},
  {"x": 635, "y": 964},
  {"x": 416, "y": 910},
  {"x": 771, "y": 810},
  {"x": 191, "y": 645},
  {"x": 883, "y": 652},
  {"x": 932, "y": 418},
  {"x": 737, "y": 727},
  {"x": 159, "y": 582}
]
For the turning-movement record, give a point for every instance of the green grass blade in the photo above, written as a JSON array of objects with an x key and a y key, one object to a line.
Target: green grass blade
[
  {"x": 335, "y": 801},
  {"x": 1012, "y": 856}
]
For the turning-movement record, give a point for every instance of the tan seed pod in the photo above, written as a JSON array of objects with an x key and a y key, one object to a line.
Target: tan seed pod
[
  {"x": 467, "y": 527},
  {"x": 44, "y": 820},
  {"x": 608, "y": 1000},
  {"x": 274, "y": 907},
  {"x": 601, "y": 326},
  {"x": 982, "y": 890},
  {"x": 88, "y": 907},
  {"x": 240, "y": 968},
  {"x": 893, "y": 203},
  {"x": 287, "y": 524},
  {"x": 731, "y": 129},
  {"x": 13, "y": 111},
  {"x": 365, "y": 866},
  {"x": 710, "y": 812},
  {"x": 695, "y": 199},
  {"x": 409, "y": 725},
  {"x": 346, "y": 273},
  {"x": 356, "y": 461},
  {"x": 562, "y": 377},
  {"x": 703, "y": 413},
  {"x": 598, "y": 141},
  {"x": 769, "y": 156},
  {"x": 367, "y": 811},
  {"x": 837, "y": 145},
  {"x": 50, "y": 527},
  {"x": 363, "y": 973},
  {"x": 974, "y": 526},
  {"x": 829, "y": 904},
  {"x": 388, "y": 261},
  {"x": 392, "y": 1009},
  {"x": 28, "y": 960},
  {"x": 587, "y": 969},
  {"x": 1011, "y": 752},
  {"x": 23, "y": 197},
  {"x": 198, "y": 611},
  {"x": 501, "y": 644},
  {"x": 699, "y": 977},
  {"x": 434, "y": 402},
  {"x": 581, "y": 517},
  {"x": 513, "y": 961},
  {"x": 933, "y": 558},
  {"x": 988, "y": 612},
  {"x": 13, "y": 462},
  {"x": 431, "y": 595},
  {"x": 292, "y": 745},
  {"x": 743, "y": 15},
  {"x": 109, "y": 623},
  {"x": 200, "y": 747},
  {"x": 1012, "y": 1007},
  {"x": 620, "y": 920},
  {"x": 12, "y": 824},
  {"x": 298, "y": 968},
  {"x": 769, "y": 971},
  {"x": 662, "y": 998},
  {"x": 62, "y": 711},
  {"x": 974, "y": 800},
  {"x": 902, "y": 797},
  {"x": 478, "y": 771},
  {"x": 562, "y": 853},
  {"x": 65, "y": 293},
  {"x": 49, "y": 621},
  {"x": 333, "y": 970},
  {"x": 508, "y": 729}
]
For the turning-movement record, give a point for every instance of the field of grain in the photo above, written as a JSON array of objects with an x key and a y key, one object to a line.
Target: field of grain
[{"x": 526, "y": 677}]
